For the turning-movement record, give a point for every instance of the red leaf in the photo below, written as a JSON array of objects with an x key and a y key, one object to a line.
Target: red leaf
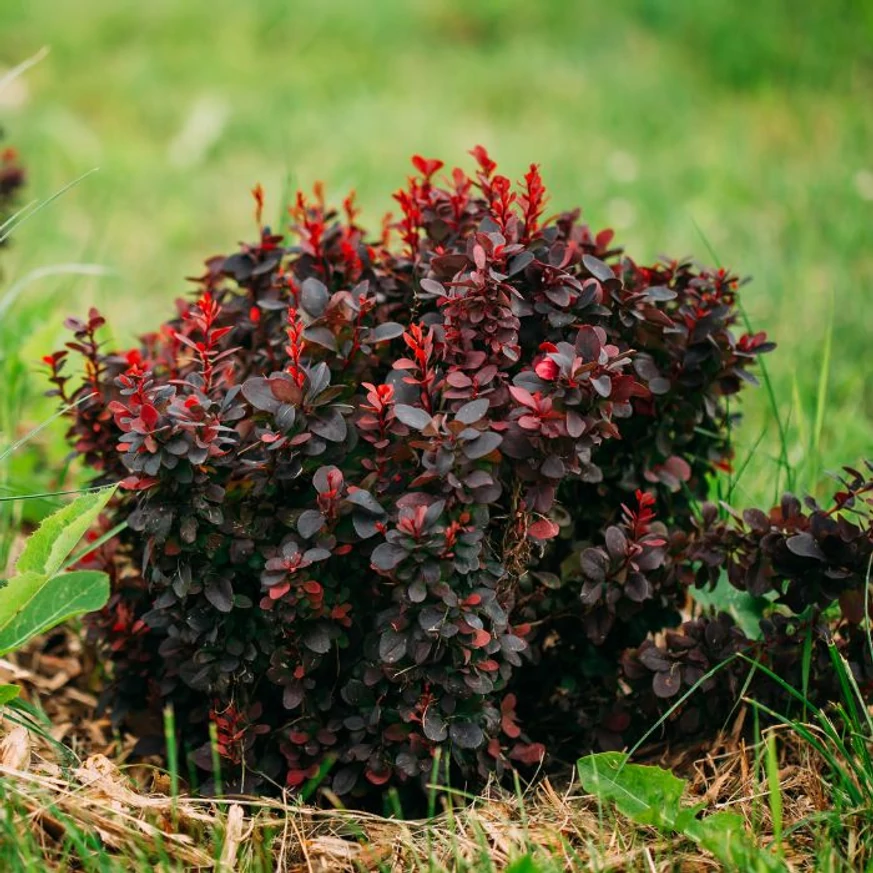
[
  {"x": 678, "y": 467},
  {"x": 279, "y": 590},
  {"x": 510, "y": 728},
  {"x": 296, "y": 777},
  {"x": 149, "y": 415},
  {"x": 543, "y": 529},
  {"x": 426, "y": 166},
  {"x": 481, "y": 638},
  {"x": 528, "y": 753},
  {"x": 137, "y": 483},
  {"x": 488, "y": 166},
  {"x": 547, "y": 369},
  {"x": 377, "y": 778}
]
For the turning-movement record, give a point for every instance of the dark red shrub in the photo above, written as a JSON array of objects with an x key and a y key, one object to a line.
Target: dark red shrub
[
  {"x": 813, "y": 565},
  {"x": 12, "y": 180},
  {"x": 385, "y": 501}
]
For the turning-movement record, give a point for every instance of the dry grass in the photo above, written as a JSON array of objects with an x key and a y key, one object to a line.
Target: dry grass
[{"x": 130, "y": 809}]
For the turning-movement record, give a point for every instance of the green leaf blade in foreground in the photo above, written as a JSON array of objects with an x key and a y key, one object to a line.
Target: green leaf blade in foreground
[
  {"x": 33, "y": 603},
  {"x": 8, "y": 693},
  {"x": 648, "y": 795},
  {"x": 53, "y": 542}
]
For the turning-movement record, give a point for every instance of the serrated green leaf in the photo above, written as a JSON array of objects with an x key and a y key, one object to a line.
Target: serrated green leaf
[
  {"x": 745, "y": 609},
  {"x": 32, "y": 603},
  {"x": 53, "y": 542},
  {"x": 716, "y": 829},
  {"x": 524, "y": 864},
  {"x": 724, "y": 835},
  {"x": 648, "y": 795},
  {"x": 8, "y": 693},
  {"x": 652, "y": 796}
]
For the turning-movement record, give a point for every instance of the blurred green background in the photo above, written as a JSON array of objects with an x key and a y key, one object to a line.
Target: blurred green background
[{"x": 747, "y": 128}]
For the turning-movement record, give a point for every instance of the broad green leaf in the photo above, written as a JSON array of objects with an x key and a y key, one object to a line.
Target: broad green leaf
[
  {"x": 745, "y": 609},
  {"x": 8, "y": 693},
  {"x": 715, "y": 831},
  {"x": 724, "y": 835},
  {"x": 648, "y": 795},
  {"x": 49, "y": 546},
  {"x": 524, "y": 864},
  {"x": 32, "y": 603}
]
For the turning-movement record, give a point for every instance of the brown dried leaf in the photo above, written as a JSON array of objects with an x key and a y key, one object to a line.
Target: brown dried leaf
[{"x": 15, "y": 749}]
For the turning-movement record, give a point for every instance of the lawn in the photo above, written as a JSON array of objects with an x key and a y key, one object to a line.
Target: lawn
[{"x": 741, "y": 135}]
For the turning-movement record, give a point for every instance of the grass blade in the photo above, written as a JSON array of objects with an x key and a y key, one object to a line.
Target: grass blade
[{"x": 20, "y": 69}]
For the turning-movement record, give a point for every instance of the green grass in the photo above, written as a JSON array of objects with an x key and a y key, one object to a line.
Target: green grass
[{"x": 658, "y": 119}]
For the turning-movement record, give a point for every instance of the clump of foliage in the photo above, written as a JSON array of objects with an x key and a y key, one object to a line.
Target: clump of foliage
[
  {"x": 397, "y": 504},
  {"x": 812, "y": 566}
]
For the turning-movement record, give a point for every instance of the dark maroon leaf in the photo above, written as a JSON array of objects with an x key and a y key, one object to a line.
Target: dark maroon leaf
[
  {"x": 219, "y": 593},
  {"x": 466, "y": 734},
  {"x": 616, "y": 543},
  {"x": 344, "y": 780},
  {"x": 667, "y": 683},
  {"x": 430, "y": 286},
  {"x": 482, "y": 445},
  {"x": 434, "y": 725},
  {"x": 594, "y": 564},
  {"x": 660, "y": 293},
  {"x": 392, "y": 646},
  {"x": 257, "y": 391},
  {"x": 317, "y": 639},
  {"x": 597, "y": 268},
  {"x": 321, "y": 336},
  {"x": 805, "y": 546},
  {"x": 314, "y": 296},
  {"x": 387, "y": 556},
  {"x": 602, "y": 385},
  {"x": 389, "y": 330},
  {"x": 756, "y": 520},
  {"x": 365, "y": 501},
  {"x": 519, "y": 263},
  {"x": 310, "y": 523},
  {"x": 473, "y": 411},
  {"x": 588, "y": 343},
  {"x": 412, "y": 416},
  {"x": 292, "y": 696},
  {"x": 329, "y": 424}
]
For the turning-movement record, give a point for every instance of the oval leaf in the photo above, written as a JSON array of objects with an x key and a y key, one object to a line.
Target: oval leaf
[
  {"x": 392, "y": 646},
  {"x": 314, "y": 296},
  {"x": 471, "y": 412},
  {"x": 412, "y": 416},
  {"x": 466, "y": 735},
  {"x": 32, "y": 603}
]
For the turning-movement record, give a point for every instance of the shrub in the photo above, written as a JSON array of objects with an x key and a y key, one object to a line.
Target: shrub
[
  {"x": 812, "y": 566},
  {"x": 389, "y": 501},
  {"x": 11, "y": 183}
]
